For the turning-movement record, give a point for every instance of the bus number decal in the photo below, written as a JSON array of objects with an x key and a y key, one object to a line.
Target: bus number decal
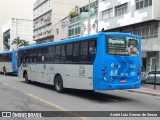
[
  {"x": 44, "y": 66},
  {"x": 114, "y": 73},
  {"x": 124, "y": 74},
  {"x": 132, "y": 66},
  {"x": 82, "y": 71},
  {"x": 51, "y": 68}
]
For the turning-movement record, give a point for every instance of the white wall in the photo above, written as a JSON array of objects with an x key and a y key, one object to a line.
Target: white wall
[
  {"x": 62, "y": 26},
  {"x": 19, "y": 28},
  {"x": 156, "y": 9},
  {"x": 131, "y": 17}
]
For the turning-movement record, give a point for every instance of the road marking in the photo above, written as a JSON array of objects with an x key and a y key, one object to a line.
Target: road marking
[
  {"x": 5, "y": 84},
  {"x": 157, "y": 97},
  {"x": 53, "y": 105},
  {"x": 10, "y": 86}
]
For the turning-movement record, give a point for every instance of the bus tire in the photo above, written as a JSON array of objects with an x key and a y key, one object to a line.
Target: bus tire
[
  {"x": 26, "y": 78},
  {"x": 4, "y": 71},
  {"x": 58, "y": 84}
]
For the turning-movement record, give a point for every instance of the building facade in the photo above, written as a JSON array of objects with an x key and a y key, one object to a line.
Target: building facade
[
  {"x": 47, "y": 13},
  {"x": 85, "y": 22},
  {"x": 61, "y": 29},
  {"x": 140, "y": 17},
  {"x": 16, "y": 28}
]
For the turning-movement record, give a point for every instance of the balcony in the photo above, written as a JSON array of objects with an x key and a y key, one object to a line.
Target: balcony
[
  {"x": 42, "y": 35},
  {"x": 39, "y": 2},
  {"x": 42, "y": 23},
  {"x": 84, "y": 15}
]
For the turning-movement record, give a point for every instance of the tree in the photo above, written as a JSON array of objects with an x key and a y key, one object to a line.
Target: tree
[
  {"x": 24, "y": 43},
  {"x": 19, "y": 42}
]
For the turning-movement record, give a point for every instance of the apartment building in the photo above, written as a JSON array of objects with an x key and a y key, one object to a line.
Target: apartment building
[
  {"x": 47, "y": 13},
  {"x": 140, "y": 17},
  {"x": 85, "y": 22},
  {"x": 61, "y": 29},
  {"x": 14, "y": 28}
]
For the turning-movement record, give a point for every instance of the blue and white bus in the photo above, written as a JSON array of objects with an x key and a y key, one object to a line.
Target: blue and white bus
[
  {"x": 8, "y": 62},
  {"x": 105, "y": 61}
]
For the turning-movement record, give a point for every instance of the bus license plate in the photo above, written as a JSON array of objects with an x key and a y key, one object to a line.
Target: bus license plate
[{"x": 123, "y": 81}]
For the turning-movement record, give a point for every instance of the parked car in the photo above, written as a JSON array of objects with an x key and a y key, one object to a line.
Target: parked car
[
  {"x": 144, "y": 76},
  {"x": 151, "y": 76}
]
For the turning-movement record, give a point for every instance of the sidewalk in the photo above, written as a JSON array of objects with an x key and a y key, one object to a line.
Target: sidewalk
[{"x": 148, "y": 89}]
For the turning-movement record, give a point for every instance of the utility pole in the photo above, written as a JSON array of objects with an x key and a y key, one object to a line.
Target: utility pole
[
  {"x": 89, "y": 27},
  {"x": 16, "y": 31}
]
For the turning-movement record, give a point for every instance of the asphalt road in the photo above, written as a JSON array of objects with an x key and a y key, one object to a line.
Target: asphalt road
[{"x": 16, "y": 95}]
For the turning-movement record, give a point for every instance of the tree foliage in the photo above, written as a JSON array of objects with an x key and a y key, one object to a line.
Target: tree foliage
[
  {"x": 20, "y": 42},
  {"x": 74, "y": 13}
]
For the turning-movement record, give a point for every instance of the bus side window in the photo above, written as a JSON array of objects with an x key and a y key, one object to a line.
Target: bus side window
[
  {"x": 20, "y": 56},
  {"x": 57, "y": 54},
  {"x": 0, "y": 58},
  {"x": 27, "y": 55},
  {"x": 84, "y": 52},
  {"x": 35, "y": 55},
  {"x": 92, "y": 51},
  {"x": 24, "y": 56},
  {"x": 62, "y": 53},
  {"x": 69, "y": 53},
  {"x": 9, "y": 57},
  {"x": 31, "y": 59},
  {"x": 38, "y": 55},
  {"x": 49, "y": 53},
  {"x": 43, "y": 56},
  {"x": 52, "y": 54},
  {"x": 76, "y": 53}
]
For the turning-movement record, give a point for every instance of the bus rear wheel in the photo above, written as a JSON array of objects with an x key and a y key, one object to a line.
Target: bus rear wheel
[
  {"x": 58, "y": 84},
  {"x": 4, "y": 71}
]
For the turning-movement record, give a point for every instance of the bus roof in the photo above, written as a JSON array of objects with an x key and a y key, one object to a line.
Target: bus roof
[
  {"x": 7, "y": 52},
  {"x": 78, "y": 39}
]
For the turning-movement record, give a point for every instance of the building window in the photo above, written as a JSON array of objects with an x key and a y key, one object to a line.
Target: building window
[
  {"x": 121, "y": 9},
  {"x": 57, "y": 31},
  {"x": 150, "y": 31},
  {"x": 74, "y": 30},
  {"x": 143, "y": 3},
  {"x": 42, "y": 7},
  {"x": 107, "y": 14},
  {"x": 128, "y": 31},
  {"x": 145, "y": 32},
  {"x": 138, "y": 32}
]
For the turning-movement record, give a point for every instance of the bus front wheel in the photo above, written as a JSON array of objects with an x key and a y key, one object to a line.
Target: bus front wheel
[
  {"x": 4, "y": 71},
  {"x": 58, "y": 84}
]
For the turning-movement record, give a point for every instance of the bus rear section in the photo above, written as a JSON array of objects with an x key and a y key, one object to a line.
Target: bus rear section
[
  {"x": 120, "y": 65},
  {"x": 14, "y": 61},
  {"x": 8, "y": 62}
]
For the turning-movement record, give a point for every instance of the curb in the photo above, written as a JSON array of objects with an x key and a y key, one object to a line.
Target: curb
[{"x": 143, "y": 92}]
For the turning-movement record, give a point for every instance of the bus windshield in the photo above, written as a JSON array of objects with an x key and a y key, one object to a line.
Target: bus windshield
[{"x": 122, "y": 46}]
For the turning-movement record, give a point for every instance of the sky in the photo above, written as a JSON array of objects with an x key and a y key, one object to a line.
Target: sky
[{"x": 15, "y": 9}]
